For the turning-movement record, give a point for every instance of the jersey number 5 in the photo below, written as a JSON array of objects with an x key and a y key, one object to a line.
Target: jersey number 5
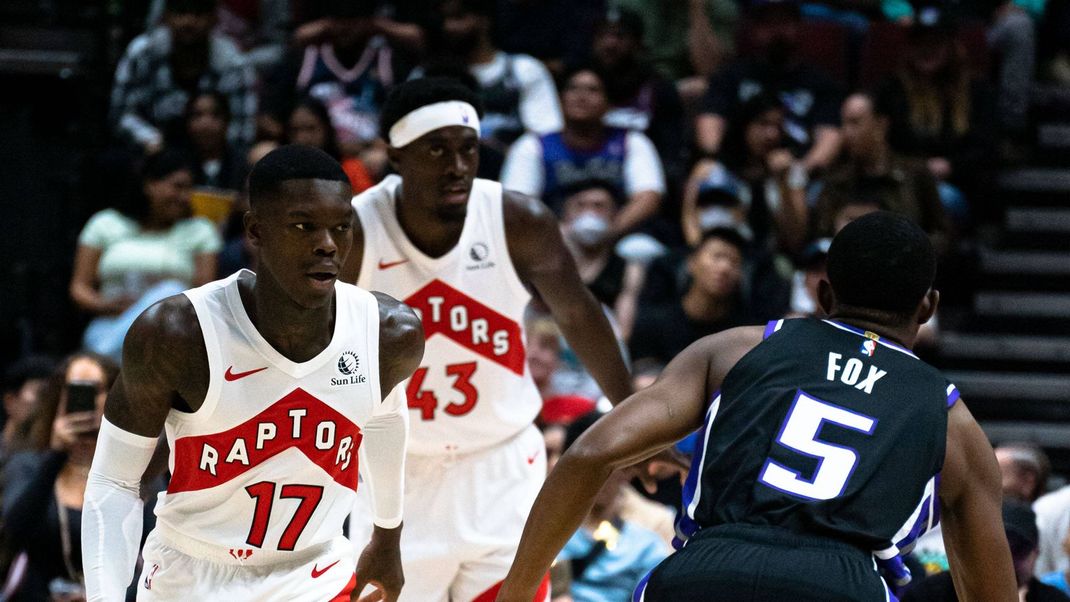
[
  {"x": 427, "y": 402},
  {"x": 800, "y": 433}
]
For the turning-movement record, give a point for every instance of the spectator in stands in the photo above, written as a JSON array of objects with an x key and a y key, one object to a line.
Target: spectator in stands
[
  {"x": 609, "y": 554},
  {"x": 712, "y": 301},
  {"x": 1019, "y": 522},
  {"x": 940, "y": 113},
  {"x": 1053, "y": 523},
  {"x": 517, "y": 90},
  {"x": 772, "y": 188},
  {"x": 689, "y": 45},
  {"x": 811, "y": 100},
  {"x": 1059, "y": 579},
  {"x": 43, "y": 486},
  {"x": 260, "y": 28},
  {"x": 127, "y": 259},
  {"x": 589, "y": 211},
  {"x": 217, "y": 164},
  {"x": 640, "y": 98},
  {"x": 871, "y": 172},
  {"x": 24, "y": 382},
  {"x": 1025, "y": 469},
  {"x": 310, "y": 124},
  {"x": 163, "y": 67},
  {"x": 557, "y": 32},
  {"x": 1012, "y": 39},
  {"x": 545, "y": 166},
  {"x": 811, "y": 270},
  {"x": 543, "y": 351},
  {"x": 348, "y": 64}
]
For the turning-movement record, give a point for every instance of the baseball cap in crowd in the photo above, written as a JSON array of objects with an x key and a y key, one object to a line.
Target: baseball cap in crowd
[
  {"x": 721, "y": 187},
  {"x": 564, "y": 409}
]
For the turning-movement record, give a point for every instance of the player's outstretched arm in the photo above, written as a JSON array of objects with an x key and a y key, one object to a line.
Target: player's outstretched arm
[
  {"x": 971, "y": 509},
  {"x": 540, "y": 257},
  {"x": 163, "y": 357},
  {"x": 401, "y": 347},
  {"x": 646, "y": 423}
]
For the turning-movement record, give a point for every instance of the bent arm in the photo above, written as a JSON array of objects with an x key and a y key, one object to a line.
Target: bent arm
[
  {"x": 971, "y": 498},
  {"x": 541, "y": 259},
  {"x": 638, "y": 428},
  {"x": 83, "y": 288},
  {"x": 159, "y": 352}
]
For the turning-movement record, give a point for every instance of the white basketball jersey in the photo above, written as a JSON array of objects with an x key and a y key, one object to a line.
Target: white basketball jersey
[
  {"x": 268, "y": 463},
  {"x": 473, "y": 388}
]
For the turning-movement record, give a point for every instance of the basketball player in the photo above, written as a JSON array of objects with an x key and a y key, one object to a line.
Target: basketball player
[
  {"x": 827, "y": 446},
  {"x": 268, "y": 386},
  {"x": 465, "y": 255}
]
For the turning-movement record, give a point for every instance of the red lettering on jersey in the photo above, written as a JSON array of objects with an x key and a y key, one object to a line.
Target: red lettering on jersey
[
  {"x": 447, "y": 311},
  {"x": 298, "y": 420}
]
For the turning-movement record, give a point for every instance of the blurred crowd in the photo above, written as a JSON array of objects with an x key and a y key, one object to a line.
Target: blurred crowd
[{"x": 700, "y": 154}]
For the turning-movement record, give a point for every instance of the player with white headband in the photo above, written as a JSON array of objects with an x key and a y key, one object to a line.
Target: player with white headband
[{"x": 466, "y": 256}]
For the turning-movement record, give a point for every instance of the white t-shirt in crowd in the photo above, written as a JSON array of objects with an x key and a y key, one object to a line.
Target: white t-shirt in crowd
[{"x": 540, "y": 110}]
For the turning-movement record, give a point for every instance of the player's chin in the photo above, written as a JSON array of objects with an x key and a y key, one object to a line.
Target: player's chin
[{"x": 316, "y": 290}]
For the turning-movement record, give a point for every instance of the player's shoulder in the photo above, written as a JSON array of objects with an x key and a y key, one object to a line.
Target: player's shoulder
[
  {"x": 165, "y": 334},
  {"x": 521, "y": 210},
  {"x": 399, "y": 326}
]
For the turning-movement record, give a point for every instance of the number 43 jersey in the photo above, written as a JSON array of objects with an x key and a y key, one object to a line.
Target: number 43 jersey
[
  {"x": 473, "y": 389},
  {"x": 825, "y": 430}
]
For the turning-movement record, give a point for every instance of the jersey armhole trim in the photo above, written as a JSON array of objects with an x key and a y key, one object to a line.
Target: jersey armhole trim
[
  {"x": 771, "y": 327},
  {"x": 498, "y": 223},
  {"x": 215, "y": 363},
  {"x": 374, "y": 345},
  {"x": 952, "y": 395}
]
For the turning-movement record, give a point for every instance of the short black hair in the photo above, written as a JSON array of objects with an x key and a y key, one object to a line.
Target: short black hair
[
  {"x": 220, "y": 99},
  {"x": 727, "y": 234},
  {"x": 585, "y": 184},
  {"x": 291, "y": 162},
  {"x": 415, "y": 93},
  {"x": 191, "y": 7},
  {"x": 881, "y": 261}
]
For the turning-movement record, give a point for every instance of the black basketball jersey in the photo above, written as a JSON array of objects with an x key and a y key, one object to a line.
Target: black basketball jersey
[{"x": 825, "y": 430}]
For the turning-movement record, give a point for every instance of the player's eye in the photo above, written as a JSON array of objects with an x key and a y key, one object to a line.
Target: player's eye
[
  {"x": 303, "y": 227},
  {"x": 470, "y": 149},
  {"x": 437, "y": 151},
  {"x": 342, "y": 228}
]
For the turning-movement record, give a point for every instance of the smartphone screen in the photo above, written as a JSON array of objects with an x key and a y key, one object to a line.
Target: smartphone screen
[{"x": 81, "y": 397}]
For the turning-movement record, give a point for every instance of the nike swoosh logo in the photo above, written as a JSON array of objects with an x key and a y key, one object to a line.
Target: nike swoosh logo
[
  {"x": 230, "y": 375},
  {"x": 386, "y": 265},
  {"x": 316, "y": 571}
]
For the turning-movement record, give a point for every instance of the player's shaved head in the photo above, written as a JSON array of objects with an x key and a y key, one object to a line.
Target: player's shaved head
[
  {"x": 290, "y": 162},
  {"x": 881, "y": 261}
]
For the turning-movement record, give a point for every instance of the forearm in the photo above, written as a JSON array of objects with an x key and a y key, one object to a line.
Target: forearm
[
  {"x": 709, "y": 132},
  {"x": 978, "y": 554},
  {"x": 704, "y": 48},
  {"x": 826, "y": 146},
  {"x": 384, "y": 445},
  {"x": 791, "y": 217},
  {"x": 589, "y": 334},
  {"x": 642, "y": 206},
  {"x": 565, "y": 499},
  {"x": 112, "y": 515}
]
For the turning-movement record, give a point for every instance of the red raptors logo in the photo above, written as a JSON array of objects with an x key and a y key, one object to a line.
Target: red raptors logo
[
  {"x": 447, "y": 311},
  {"x": 298, "y": 420}
]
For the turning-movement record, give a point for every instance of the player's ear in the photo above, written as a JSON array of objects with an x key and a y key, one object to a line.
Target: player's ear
[
  {"x": 252, "y": 227},
  {"x": 927, "y": 308},
  {"x": 825, "y": 298},
  {"x": 394, "y": 156}
]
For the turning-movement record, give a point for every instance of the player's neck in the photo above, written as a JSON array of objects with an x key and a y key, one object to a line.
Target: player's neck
[
  {"x": 900, "y": 335},
  {"x": 298, "y": 333},
  {"x": 429, "y": 233}
]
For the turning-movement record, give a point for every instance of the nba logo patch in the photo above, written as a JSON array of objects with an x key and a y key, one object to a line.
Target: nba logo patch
[{"x": 869, "y": 347}]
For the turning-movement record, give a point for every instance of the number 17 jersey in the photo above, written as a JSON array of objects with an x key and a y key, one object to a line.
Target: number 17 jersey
[
  {"x": 825, "y": 430},
  {"x": 473, "y": 389}
]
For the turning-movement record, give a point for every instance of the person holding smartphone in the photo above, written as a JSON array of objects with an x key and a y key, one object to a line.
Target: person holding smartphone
[{"x": 43, "y": 485}]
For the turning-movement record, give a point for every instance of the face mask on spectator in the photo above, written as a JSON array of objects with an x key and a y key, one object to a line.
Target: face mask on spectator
[{"x": 589, "y": 229}]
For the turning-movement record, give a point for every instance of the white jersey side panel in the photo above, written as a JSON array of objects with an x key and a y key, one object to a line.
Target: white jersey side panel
[
  {"x": 268, "y": 463},
  {"x": 473, "y": 388}
]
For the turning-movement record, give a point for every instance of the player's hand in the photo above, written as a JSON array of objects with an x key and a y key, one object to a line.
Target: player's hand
[
  {"x": 665, "y": 464},
  {"x": 380, "y": 566}
]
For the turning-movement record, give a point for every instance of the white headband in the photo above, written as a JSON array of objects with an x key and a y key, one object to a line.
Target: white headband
[{"x": 431, "y": 117}]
